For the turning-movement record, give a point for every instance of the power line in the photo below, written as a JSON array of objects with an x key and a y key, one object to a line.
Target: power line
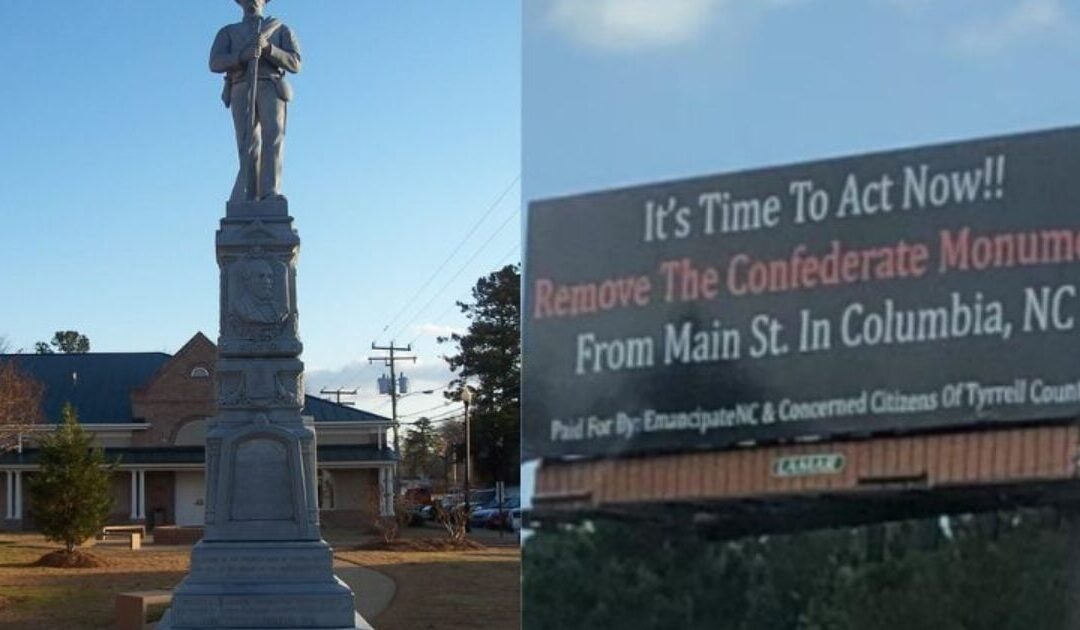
[
  {"x": 457, "y": 416},
  {"x": 465, "y": 266},
  {"x": 430, "y": 391},
  {"x": 416, "y": 413},
  {"x": 446, "y": 414},
  {"x": 460, "y": 244},
  {"x": 513, "y": 250},
  {"x": 450, "y": 413}
]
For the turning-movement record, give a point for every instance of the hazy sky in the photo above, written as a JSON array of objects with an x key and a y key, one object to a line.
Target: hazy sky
[
  {"x": 117, "y": 157},
  {"x": 621, "y": 92},
  {"x": 629, "y": 91}
]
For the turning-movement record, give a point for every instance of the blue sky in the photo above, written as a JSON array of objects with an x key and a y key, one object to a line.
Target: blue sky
[
  {"x": 622, "y": 92},
  {"x": 118, "y": 156}
]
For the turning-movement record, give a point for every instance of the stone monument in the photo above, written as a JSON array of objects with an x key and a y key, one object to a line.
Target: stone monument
[{"x": 262, "y": 562}]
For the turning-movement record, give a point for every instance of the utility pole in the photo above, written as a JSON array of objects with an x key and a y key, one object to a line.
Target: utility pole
[
  {"x": 390, "y": 360},
  {"x": 466, "y": 398},
  {"x": 338, "y": 393}
]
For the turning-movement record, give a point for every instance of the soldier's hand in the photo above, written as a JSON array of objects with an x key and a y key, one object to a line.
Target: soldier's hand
[{"x": 264, "y": 45}]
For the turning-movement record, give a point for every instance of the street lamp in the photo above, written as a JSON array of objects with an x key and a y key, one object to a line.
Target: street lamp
[
  {"x": 466, "y": 398},
  {"x": 425, "y": 391}
]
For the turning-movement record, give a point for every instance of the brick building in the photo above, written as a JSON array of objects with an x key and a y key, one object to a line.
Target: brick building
[
  {"x": 149, "y": 411},
  {"x": 765, "y": 488}
]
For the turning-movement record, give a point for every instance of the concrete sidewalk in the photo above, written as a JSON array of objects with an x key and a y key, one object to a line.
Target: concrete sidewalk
[{"x": 374, "y": 591}]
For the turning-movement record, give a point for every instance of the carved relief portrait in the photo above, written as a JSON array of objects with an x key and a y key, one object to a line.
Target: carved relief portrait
[
  {"x": 257, "y": 299},
  {"x": 258, "y": 295}
]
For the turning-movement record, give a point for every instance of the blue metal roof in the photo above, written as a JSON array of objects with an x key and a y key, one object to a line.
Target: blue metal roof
[
  {"x": 328, "y": 411},
  {"x": 98, "y": 384},
  {"x": 197, "y": 455}
]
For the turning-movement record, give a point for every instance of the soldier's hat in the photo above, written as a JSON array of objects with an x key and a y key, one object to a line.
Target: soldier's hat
[{"x": 242, "y": 1}]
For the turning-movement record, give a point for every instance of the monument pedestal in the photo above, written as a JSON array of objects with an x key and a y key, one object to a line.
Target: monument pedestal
[
  {"x": 358, "y": 624},
  {"x": 262, "y": 563}
]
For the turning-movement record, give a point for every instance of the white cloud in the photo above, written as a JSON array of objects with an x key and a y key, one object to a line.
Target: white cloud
[
  {"x": 621, "y": 25},
  {"x": 424, "y": 374},
  {"x": 1026, "y": 20},
  {"x": 436, "y": 330}
]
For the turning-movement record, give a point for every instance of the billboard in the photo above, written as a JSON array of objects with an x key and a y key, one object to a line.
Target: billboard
[{"x": 905, "y": 290}]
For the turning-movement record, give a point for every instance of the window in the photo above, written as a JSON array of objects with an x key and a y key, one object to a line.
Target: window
[{"x": 200, "y": 372}]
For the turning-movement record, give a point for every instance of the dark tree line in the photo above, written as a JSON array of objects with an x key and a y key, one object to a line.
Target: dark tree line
[{"x": 991, "y": 572}]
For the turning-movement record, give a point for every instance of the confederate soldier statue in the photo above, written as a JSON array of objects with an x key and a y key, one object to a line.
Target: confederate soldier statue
[{"x": 254, "y": 55}]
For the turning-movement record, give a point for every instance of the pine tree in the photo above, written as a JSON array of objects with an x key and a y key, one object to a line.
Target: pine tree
[
  {"x": 421, "y": 444},
  {"x": 70, "y": 494},
  {"x": 489, "y": 358}
]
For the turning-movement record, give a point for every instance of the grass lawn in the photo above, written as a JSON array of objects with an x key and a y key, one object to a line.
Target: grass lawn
[
  {"x": 438, "y": 590},
  {"x": 37, "y": 597},
  {"x": 448, "y": 590}
]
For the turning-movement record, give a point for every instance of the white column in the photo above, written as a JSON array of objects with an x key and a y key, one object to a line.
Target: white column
[
  {"x": 382, "y": 491},
  {"x": 18, "y": 496},
  {"x": 9, "y": 494},
  {"x": 389, "y": 491},
  {"x": 141, "y": 496},
  {"x": 134, "y": 495}
]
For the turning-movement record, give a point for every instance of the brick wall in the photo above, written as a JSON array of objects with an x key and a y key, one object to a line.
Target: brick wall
[
  {"x": 1037, "y": 453},
  {"x": 174, "y": 397}
]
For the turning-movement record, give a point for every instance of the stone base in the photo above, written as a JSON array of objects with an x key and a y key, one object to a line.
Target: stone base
[
  {"x": 166, "y": 624},
  {"x": 277, "y": 207},
  {"x": 258, "y": 585}
]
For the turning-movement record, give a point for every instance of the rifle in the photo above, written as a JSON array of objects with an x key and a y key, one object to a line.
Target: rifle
[{"x": 253, "y": 159}]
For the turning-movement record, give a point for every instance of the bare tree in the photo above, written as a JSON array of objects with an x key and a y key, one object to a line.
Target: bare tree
[
  {"x": 455, "y": 521},
  {"x": 389, "y": 527},
  {"x": 20, "y": 404}
]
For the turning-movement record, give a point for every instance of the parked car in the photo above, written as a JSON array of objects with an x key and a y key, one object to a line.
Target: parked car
[
  {"x": 481, "y": 497},
  {"x": 493, "y": 516},
  {"x": 504, "y": 519}
]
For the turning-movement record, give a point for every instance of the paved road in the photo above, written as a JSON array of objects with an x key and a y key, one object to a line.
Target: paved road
[{"x": 374, "y": 591}]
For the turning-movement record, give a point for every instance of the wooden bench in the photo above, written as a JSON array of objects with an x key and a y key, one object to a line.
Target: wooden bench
[
  {"x": 134, "y": 534},
  {"x": 109, "y": 530},
  {"x": 131, "y": 607}
]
